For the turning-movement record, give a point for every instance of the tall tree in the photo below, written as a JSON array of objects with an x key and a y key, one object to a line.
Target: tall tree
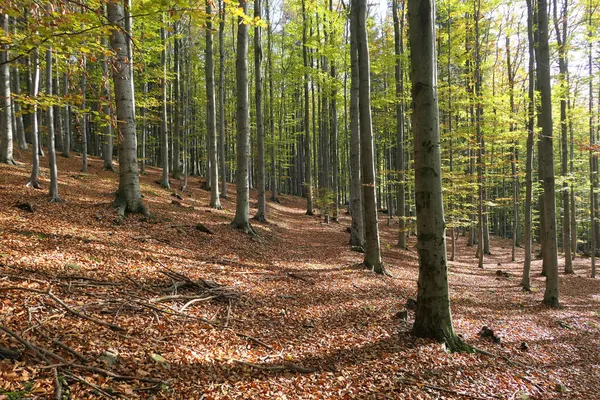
[
  {"x": 35, "y": 155},
  {"x": 107, "y": 141},
  {"x": 211, "y": 110},
  {"x": 6, "y": 132},
  {"x": 306, "y": 121},
  {"x": 399, "y": 75},
  {"x": 242, "y": 210},
  {"x": 51, "y": 138},
  {"x": 129, "y": 198},
  {"x": 261, "y": 213},
  {"x": 432, "y": 318},
  {"x": 372, "y": 243},
  {"x": 222, "y": 161},
  {"x": 163, "y": 120},
  {"x": 561, "y": 27},
  {"x": 547, "y": 160},
  {"x": 356, "y": 208}
]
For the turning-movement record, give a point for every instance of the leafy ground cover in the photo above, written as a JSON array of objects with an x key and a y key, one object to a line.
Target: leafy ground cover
[{"x": 153, "y": 307}]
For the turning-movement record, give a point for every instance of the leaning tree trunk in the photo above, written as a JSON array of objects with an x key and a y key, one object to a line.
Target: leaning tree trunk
[
  {"x": 357, "y": 235},
  {"x": 6, "y": 133},
  {"x": 261, "y": 213},
  {"x": 547, "y": 160},
  {"x": 129, "y": 199},
  {"x": 35, "y": 156},
  {"x": 432, "y": 318},
  {"x": 242, "y": 210},
  {"x": 212, "y": 116},
  {"x": 372, "y": 243}
]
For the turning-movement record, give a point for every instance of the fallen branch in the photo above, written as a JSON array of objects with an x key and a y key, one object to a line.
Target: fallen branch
[
  {"x": 276, "y": 368},
  {"x": 300, "y": 277},
  {"x": 65, "y": 306},
  {"x": 199, "y": 299},
  {"x": 252, "y": 338},
  {"x": 90, "y": 384}
]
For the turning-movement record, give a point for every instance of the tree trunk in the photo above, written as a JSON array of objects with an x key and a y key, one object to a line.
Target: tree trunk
[
  {"x": 307, "y": 155},
  {"x": 84, "y": 118},
  {"x": 35, "y": 87},
  {"x": 129, "y": 197},
  {"x": 164, "y": 117},
  {"x": 547, "y": 160},
  {"x": 261, "y": 213},
  {"x": 66, "y": 147},
  {"x": 210, "y": 106},
  {"x": 526, "y": 280},
  {"x": 356, "y": 208},
  {"x": 372, "y": 243},
  {"x": 6, "y": 133},
  {"x": 399, "y": 75},
  {"x": 432, "y": 317},
  {"x": 242, "y": 210},
  {"x": 50, "y": 124},
  {"x": 222, "y": 161},
  {"x": 561, "y": 38},
  {"x": 107, "y": 140}
]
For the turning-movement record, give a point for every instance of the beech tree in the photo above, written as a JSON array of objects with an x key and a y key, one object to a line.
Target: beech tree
[
  {"x": 242, "y": 210},
  {"x": 432, "y": 318},
  {"x": 129, "y": 198},
  {"x": 6, "y": 132}
]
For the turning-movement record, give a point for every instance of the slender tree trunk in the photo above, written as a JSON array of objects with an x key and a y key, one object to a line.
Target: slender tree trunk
[
  {"x": 432, "y": 318},
  {"x": 399, "y": 74},
  {"x": 107, "y": 141},
  {"x": 561, "y": 38},
  {"x": 66, "y": 147},
  {"x": 222, "y": 160},
  {"x": 241, "y": 220},
  {"x": 6, "y": 133},
  {"x": 210, "y": 105},
  {"x": 84, "y": 118},
  {"x": 176, "y": 131},
  {"x": 526, "y": 280},
  {"x": 50, "y": 124},
  {"x": 547, "y": 160},
  {"x": 261, "y": 213},
  {"x": 164, "y": 118},
  {"x": 593, "y": 158},
  {"x": 129, "y": 197},
  {"x": 274, "y": 145},
  {"x": 307, "y": 155},
  {"x": 35, "y": 87},
  {"x": 372, "y": 243},
  {"x": 20, "y": 127}
]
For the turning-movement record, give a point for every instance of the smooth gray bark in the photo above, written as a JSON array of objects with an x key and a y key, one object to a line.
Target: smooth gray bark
[
  {"x": 357, "y": 234},
  {"x": 6, "y": 133},
  {"x": 242, "y": 210},
  {"x": 211, "y": 111},
  {"x": 307, "y": 150},
  {"x": 261, "y": 213},
  {"x": 164, "y": 118},
  {"x": 372, "y": 242},
  {"x": 84, "y": 118},
  {"x": 35, "y": 87},
  {"x": 547, "y": 160},
  {"x": 50, "y": 125},
  {"x": 129, "y": 199},
  {"x": 526, "y": 280},
  {"x": 399, "y": 75},
  {"x": 66, "y": 147},
  {"x": 107, "y": 140},
  {"x": 432, "y": 317},
  {"x": 222, "y": 161}
]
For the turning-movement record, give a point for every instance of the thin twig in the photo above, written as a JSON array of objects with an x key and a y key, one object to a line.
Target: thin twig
[{"x": 276, "y": 368}]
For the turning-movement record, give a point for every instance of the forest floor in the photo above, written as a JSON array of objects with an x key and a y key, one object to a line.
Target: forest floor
[{"x": 295, "y": 317}]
